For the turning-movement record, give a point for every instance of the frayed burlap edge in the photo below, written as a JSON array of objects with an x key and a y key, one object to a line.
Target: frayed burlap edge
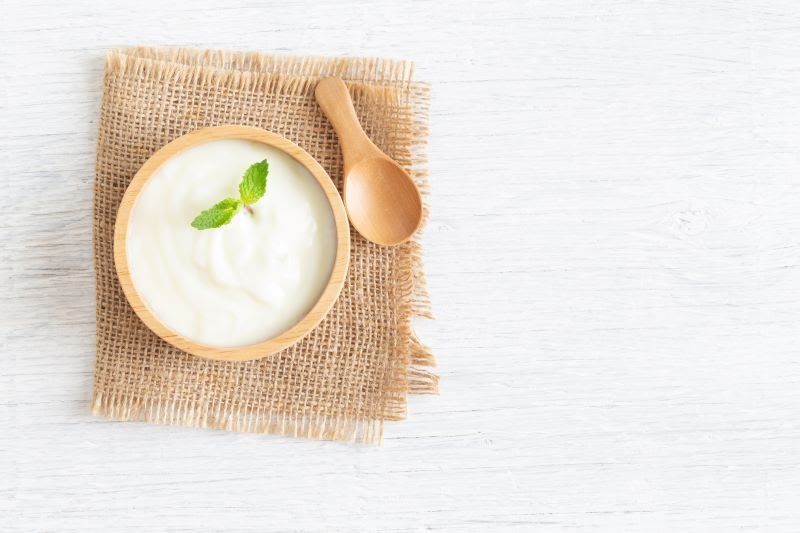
[
  {"x": 376, "y": 79},
  {"x": 178, "y": 414},
  {"x": 372, "y": 70}
]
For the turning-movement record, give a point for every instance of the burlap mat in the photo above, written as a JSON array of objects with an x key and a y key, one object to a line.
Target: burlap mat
[{"x": 355, "y": 369}]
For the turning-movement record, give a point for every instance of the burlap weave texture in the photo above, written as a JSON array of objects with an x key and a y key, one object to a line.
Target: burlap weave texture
[{"x": 355, "y": 369}]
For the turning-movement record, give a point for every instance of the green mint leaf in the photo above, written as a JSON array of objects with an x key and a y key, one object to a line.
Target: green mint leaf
[
  {"x": 217, "y": 216},
  {"x": 254, "y": 182}
]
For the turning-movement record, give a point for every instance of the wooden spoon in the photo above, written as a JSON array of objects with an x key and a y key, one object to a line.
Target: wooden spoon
[{"x": 382, "y": 201}]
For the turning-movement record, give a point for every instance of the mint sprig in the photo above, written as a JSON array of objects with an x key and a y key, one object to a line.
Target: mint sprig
[
  {"x": 217, "y": 216},
  {"x": 254, "y": 182},
  {"x": 251, "y": 189}
]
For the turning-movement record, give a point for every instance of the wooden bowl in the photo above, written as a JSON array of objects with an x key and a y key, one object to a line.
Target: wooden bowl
[{"x": 320, "y": 308}]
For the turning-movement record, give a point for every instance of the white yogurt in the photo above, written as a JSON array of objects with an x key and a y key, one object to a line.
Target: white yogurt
[{"x": 244, "y": 282}]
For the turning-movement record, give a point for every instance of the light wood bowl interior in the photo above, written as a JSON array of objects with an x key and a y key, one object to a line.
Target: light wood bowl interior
[{"x": 320, "y": 308}]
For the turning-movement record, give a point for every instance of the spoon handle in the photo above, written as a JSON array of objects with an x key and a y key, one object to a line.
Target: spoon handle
[{"x": 334, "y": 99}]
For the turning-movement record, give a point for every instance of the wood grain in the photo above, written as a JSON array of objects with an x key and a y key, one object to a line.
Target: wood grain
[
  {"x": 612, "y": 253},
  {"x": 329, "y": 294}
]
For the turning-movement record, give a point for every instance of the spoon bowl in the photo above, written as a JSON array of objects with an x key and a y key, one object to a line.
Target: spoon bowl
[{"x": 382, "y": 201}]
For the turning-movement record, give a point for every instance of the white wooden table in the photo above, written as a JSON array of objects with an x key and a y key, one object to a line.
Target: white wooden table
[{"x": 613, "y": 257}]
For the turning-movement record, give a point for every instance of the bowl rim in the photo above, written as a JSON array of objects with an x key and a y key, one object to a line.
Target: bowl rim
[{"x": 310, "y": 320}]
